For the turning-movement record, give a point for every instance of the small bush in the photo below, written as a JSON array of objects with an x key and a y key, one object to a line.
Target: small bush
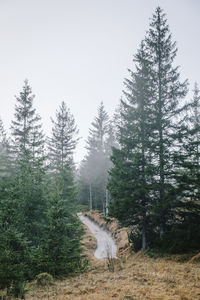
[
  {"x": 18, "y": 290},
  {"x": 44, "y": 279},
  {"x": 107, "y": 219},
  {"x": 135, "y": 238}
]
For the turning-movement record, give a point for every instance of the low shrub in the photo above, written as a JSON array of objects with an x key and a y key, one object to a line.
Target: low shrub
[{"x": 44, "y": 279}]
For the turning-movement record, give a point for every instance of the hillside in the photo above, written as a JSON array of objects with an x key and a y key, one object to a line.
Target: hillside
[{"x": 136, "y": 277}]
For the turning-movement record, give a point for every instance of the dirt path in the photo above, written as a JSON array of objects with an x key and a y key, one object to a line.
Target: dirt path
[{"x": 106, "y": 246}]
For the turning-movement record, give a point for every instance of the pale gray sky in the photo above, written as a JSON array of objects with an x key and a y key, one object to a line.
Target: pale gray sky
[{"x": 79, "y": 51}]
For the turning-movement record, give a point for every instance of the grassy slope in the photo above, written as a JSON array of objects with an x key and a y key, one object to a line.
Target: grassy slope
[{"x": 136, "y": 277}]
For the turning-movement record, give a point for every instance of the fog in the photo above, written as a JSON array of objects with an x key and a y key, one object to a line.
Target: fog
[{"x": 79, "y": 52}]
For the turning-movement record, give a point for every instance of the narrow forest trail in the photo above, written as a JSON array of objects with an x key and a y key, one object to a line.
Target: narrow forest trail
[
  {"x": 106, "y": 246},
  {"x": 136, "y": 276}
]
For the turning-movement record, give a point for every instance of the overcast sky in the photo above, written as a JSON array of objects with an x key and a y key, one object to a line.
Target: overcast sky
[{"x": 78, "y": 51}]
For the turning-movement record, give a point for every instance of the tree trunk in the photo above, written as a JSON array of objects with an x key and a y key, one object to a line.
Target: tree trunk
[
  {"x": 144, "y": 243},
  {"x": 90, "y": 196},
  {"x": 107, "y": 201}
]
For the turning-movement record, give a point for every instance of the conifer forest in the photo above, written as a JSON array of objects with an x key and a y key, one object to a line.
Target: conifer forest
[{"x": 142, "y": 166}]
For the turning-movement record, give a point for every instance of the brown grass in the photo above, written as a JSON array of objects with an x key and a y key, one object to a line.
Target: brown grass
[
  {"x": 195, "y": 258},
  {"x": 136, "y": 277}
]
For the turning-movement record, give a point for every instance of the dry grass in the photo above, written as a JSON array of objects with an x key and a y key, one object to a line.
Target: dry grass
[{"x": 136, "y": 277}]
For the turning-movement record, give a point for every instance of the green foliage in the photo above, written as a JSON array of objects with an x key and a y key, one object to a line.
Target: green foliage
[
  {"x": 60, "y": 253},
  {"x": 187, "y": 210},
  {"x": 39, "y": 231},
  {"x": 131, "y": 178},
  {"x": 63, "y": 139},
  {"x": 94, "y": 168},
  {"x": 107, "y": 219},
  {"x": 15, "y": 262},
  {"x": 61, "y": 249},
  {"x": 29, "y": 192},
  {"x": 153, "y": 179},
  {"x": 44, "y": 279},
  {"x": 18, "y": 290},
  {"x": 154, "y": 182},
  {"x": 135, "y": 238},
  {"x": 28, "y": 154}
]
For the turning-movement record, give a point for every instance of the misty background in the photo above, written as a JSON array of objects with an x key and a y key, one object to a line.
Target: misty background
[{"x": 79, "y": 51}]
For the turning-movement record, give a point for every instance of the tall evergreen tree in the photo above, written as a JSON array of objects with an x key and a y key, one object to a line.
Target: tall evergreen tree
[
  {"x": 186, "y": 213},
  {"x": 63, "y": 139},
  {"x": 22, "y": 199},
  {"x": 61, "y": 250},
  {"x": 109, "y": 144},
  {"x": 168, "y": 92},
  {"x": 28, "y": 151},
  {"x": 62, "y": 144},
  {"x": 27, "y": 136},
  {"x": 131, "y": 176},
  {"x": 144, "y": 165},
  {"x": 94, "y": 168},
  {"x": 99, "y": 129}
]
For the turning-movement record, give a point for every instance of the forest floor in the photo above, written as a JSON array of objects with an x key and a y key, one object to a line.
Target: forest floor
[{"x": 135, "y": 277}]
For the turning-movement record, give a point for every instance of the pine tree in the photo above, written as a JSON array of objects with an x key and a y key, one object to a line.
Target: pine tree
[
  {"x": 168, "y": 92},
  {"x": 99, "y": 129},
  {"x": 62, "y": 144},
  {"x": 27, "y": 136},
  {"x": 95, "y": 168},
  {"x": 149, "y": 128},
  {"x": 28, "y": 151},
  {"x": 185, "y": 230},
  {"x": 63, "y": 139},
  {"x": 109, "y": 144},
  {"x": 131, "y": 176},
  {"x": 61, "y": 249}
]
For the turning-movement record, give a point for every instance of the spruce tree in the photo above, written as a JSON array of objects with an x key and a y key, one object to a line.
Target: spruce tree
[
  {"x": 148, "y": 136},
  {"x": 130, "y": 181},
  {"x": 109, "y": 144},
  {"x": 62, "y": 144},
  {"x": 61, "y": 250},
  {"x": 185, "y": 227},
  {"x": 26, "y": 128},
  {"x": 168, "y": 93},
  {"x": 63, "y": 139},
  {"x": 28, "y": 152},
  {"x": 94, "y": 168},
  {"x": 99, "y": 129}
]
